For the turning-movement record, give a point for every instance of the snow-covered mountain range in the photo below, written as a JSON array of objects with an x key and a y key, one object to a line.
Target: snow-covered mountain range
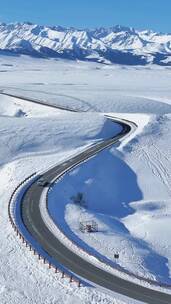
[{"x": 117, "y": 44}]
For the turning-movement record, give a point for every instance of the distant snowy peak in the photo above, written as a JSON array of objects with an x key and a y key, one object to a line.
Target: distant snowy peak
[{"x": 116, "y": 44}]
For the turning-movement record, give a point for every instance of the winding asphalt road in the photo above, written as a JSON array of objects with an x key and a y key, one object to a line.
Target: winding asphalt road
[{"x": 33, "y": 221}]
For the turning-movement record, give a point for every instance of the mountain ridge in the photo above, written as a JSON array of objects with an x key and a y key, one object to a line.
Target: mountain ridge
[{"x": 117, "y": 44}]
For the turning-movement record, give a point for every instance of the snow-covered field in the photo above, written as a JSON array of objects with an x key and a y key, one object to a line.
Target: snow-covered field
[
  {"x": 89, "y": 86},
  {"x": 127, "y": 188}
]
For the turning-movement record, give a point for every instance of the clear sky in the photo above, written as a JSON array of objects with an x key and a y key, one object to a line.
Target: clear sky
[{"x": 141, "y": 14}]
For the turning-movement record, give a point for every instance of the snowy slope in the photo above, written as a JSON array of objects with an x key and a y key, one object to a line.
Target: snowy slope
[
  {"x": 117, "y": 44},
  {"x": 28, "y": 133}
]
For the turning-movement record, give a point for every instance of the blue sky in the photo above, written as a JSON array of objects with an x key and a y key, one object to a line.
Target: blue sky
[{"x": 141, "y": 14}]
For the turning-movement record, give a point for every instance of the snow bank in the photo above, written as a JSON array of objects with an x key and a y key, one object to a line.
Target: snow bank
[
  {"x": 111, "y": 184},
  {"x": 65, "y": 132}
]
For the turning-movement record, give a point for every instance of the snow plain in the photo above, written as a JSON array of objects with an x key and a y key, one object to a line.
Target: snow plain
[{"x": 135, "y": 176}]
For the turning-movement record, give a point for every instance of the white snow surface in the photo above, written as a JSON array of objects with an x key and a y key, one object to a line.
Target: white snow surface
[
  {"x": 31, "y": 135},
  {"x": 89, "y": 86},
  {"x": 134, "y": 220}
]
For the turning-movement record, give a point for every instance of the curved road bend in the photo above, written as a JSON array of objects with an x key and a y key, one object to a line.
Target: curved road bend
[{"x": 33, "y": 221}]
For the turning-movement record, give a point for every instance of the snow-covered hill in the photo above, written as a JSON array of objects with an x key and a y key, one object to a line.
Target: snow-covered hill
[{"x": 117, "y": 44}]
